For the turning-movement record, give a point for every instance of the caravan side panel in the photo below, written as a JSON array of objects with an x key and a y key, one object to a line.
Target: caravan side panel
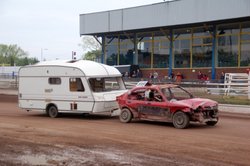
[{"x": 43, "y": 85}]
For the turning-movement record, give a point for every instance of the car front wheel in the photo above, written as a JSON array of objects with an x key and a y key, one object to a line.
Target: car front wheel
[
  {"x": 181, "y": 120},
  {"x": 126, "y": 115}
]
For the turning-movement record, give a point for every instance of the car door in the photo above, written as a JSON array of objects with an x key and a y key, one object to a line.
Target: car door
[
  {"x": 135, "y": 99},
  {"x": 153, "y": 108}
]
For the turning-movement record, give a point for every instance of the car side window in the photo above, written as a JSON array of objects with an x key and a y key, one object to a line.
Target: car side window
[
  {"x": 179, "y": 94},
  {"x": 153, "y": 95},
  {"x": 167, "y": 93},
  {"x": 137, "y": 95},
  {"x": 157, "y": 96}
]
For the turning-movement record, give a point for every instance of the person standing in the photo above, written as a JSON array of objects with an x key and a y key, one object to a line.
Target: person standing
[
  {"x": 155, "y": 76},
  {"x": 139, "y": 73},
  {"x": 200, "y": 75},
  {"x": 178, "y": 77},
  {"x": 222, "y": 77},
  {"x": 134, "y": 75}
]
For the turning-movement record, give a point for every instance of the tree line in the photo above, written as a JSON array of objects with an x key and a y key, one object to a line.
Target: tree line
[{"x": 13, "y": 55}]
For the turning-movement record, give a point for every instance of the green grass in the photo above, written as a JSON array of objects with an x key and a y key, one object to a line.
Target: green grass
[{"x": 237, "y": 100}]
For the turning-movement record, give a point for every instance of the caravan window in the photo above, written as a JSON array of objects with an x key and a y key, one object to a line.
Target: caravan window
[
  {"x": 106, "y": 84},
  {"x": 75, "y": 85},
  {"x": 55, "y": 80}
]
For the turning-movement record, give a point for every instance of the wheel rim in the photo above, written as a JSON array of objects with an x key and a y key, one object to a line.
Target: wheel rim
[
  {"x": 52, "y": 112},
  {"x": 179, "y": 120},
  {"x": 124, "y": 115}
]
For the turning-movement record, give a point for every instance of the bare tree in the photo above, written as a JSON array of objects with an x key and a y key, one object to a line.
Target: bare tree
[
  {"x": 92, "y": 48},
  {"x": 89, "y": 43}
]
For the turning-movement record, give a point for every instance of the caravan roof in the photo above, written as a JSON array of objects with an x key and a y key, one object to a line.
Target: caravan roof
[{"x": 89, "y": 68}]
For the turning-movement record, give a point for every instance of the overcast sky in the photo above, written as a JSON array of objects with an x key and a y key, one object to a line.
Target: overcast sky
[{"x": 51, "y": 25}]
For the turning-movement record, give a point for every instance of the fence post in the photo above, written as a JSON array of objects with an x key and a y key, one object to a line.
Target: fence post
[{"x": 248, "y": 84}]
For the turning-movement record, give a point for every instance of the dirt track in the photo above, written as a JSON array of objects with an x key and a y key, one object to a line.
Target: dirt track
[{"x": 31, "y": 138}]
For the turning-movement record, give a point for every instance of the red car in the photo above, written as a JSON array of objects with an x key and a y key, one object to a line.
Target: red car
[{"x": 169, "y": 103}]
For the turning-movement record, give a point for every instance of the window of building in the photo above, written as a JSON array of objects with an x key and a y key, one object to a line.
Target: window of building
[
  {"x": 228, "y": 45},
  {"x": 202, "y": 47},
  {"x": 55, "y": 80},
  {"x": 111, "y": 48},
  {"x": 144, "y": 46},
  {"x": 202, "y": 56},
  {"x": 245, "y": 44},
  {"x": 161, "y": 50},
  {"x": 182, "y": 48},
  {"x": 75, "y": 85},
  {"x": 126, "y": 52}
]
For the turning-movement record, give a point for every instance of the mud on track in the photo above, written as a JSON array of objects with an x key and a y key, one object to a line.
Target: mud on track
[
  {"x": 8, "y": 98},
  {"x": 31, "y": 138}
]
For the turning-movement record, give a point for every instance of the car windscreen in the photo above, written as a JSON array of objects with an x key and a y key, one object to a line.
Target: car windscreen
[
  {"x": 176, "y": 93},
  {"x": 106, "y": 84}
]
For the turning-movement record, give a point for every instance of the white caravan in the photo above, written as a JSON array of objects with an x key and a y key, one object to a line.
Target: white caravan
[{"x": 70, "y": 86}]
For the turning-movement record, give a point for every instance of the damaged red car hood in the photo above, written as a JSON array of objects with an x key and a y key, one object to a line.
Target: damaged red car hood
[{"x": 197, "y": 102}]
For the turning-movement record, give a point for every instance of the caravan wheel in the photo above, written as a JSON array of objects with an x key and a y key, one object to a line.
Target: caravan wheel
[{"x": 52, "y": 111}]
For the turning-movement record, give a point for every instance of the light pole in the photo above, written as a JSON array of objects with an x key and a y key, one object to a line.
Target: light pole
[{"x": 42, "y": 49}]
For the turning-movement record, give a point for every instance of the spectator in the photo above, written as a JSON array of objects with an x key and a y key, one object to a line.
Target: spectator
[
  {"x": 134, "y": 74},
  {"x": 139, "y": 73},
  {"x": 172, "y": 76},
  {"x": 222, "y": 77},
  {"x": 151, "y": 77},
  {"x": 205, "y": 78},
  {"x": 155, "y": 76},
  {"x": 200, "y": 75},
  {"x": 178, "y": 77},
  {"x": 126, "y": 74}
]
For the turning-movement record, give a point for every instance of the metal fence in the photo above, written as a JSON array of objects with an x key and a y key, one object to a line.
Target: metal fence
[
  {"x": 8, "y": 81},
  {"x": 201, "y": 88}
]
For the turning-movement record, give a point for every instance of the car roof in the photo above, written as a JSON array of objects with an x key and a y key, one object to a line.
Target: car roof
[{"x": 160, "y": 86}]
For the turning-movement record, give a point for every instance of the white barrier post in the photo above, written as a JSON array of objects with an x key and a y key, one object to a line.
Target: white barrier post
[{"x": 248, "y": 84}]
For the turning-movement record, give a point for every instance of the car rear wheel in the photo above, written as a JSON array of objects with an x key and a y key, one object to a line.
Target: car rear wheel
[
  {"x": 212, "y": 123},
  {"x": 181, "y": 120},
  {"x": 126, "y": 115},
  {"x": 52, "y": 111}
]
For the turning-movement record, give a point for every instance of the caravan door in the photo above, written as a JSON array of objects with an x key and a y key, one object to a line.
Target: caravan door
[{"x": 81, "y": 96}]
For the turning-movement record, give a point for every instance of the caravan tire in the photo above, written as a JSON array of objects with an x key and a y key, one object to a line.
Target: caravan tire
[{"x": 52, "y": 111}]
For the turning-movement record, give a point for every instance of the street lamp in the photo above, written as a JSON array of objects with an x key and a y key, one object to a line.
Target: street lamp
[{"x": 42, "y": 49}]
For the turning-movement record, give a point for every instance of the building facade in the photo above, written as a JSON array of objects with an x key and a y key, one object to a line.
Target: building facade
[{"x": 183, "y": 36}]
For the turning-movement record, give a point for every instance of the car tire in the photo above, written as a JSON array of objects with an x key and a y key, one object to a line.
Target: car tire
[
  {"x": 212, "y": 123},
  {"x": 52, "y": 111},
  {"x": 181, "y": 120},
  {"x": 126, "y": 115}
]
